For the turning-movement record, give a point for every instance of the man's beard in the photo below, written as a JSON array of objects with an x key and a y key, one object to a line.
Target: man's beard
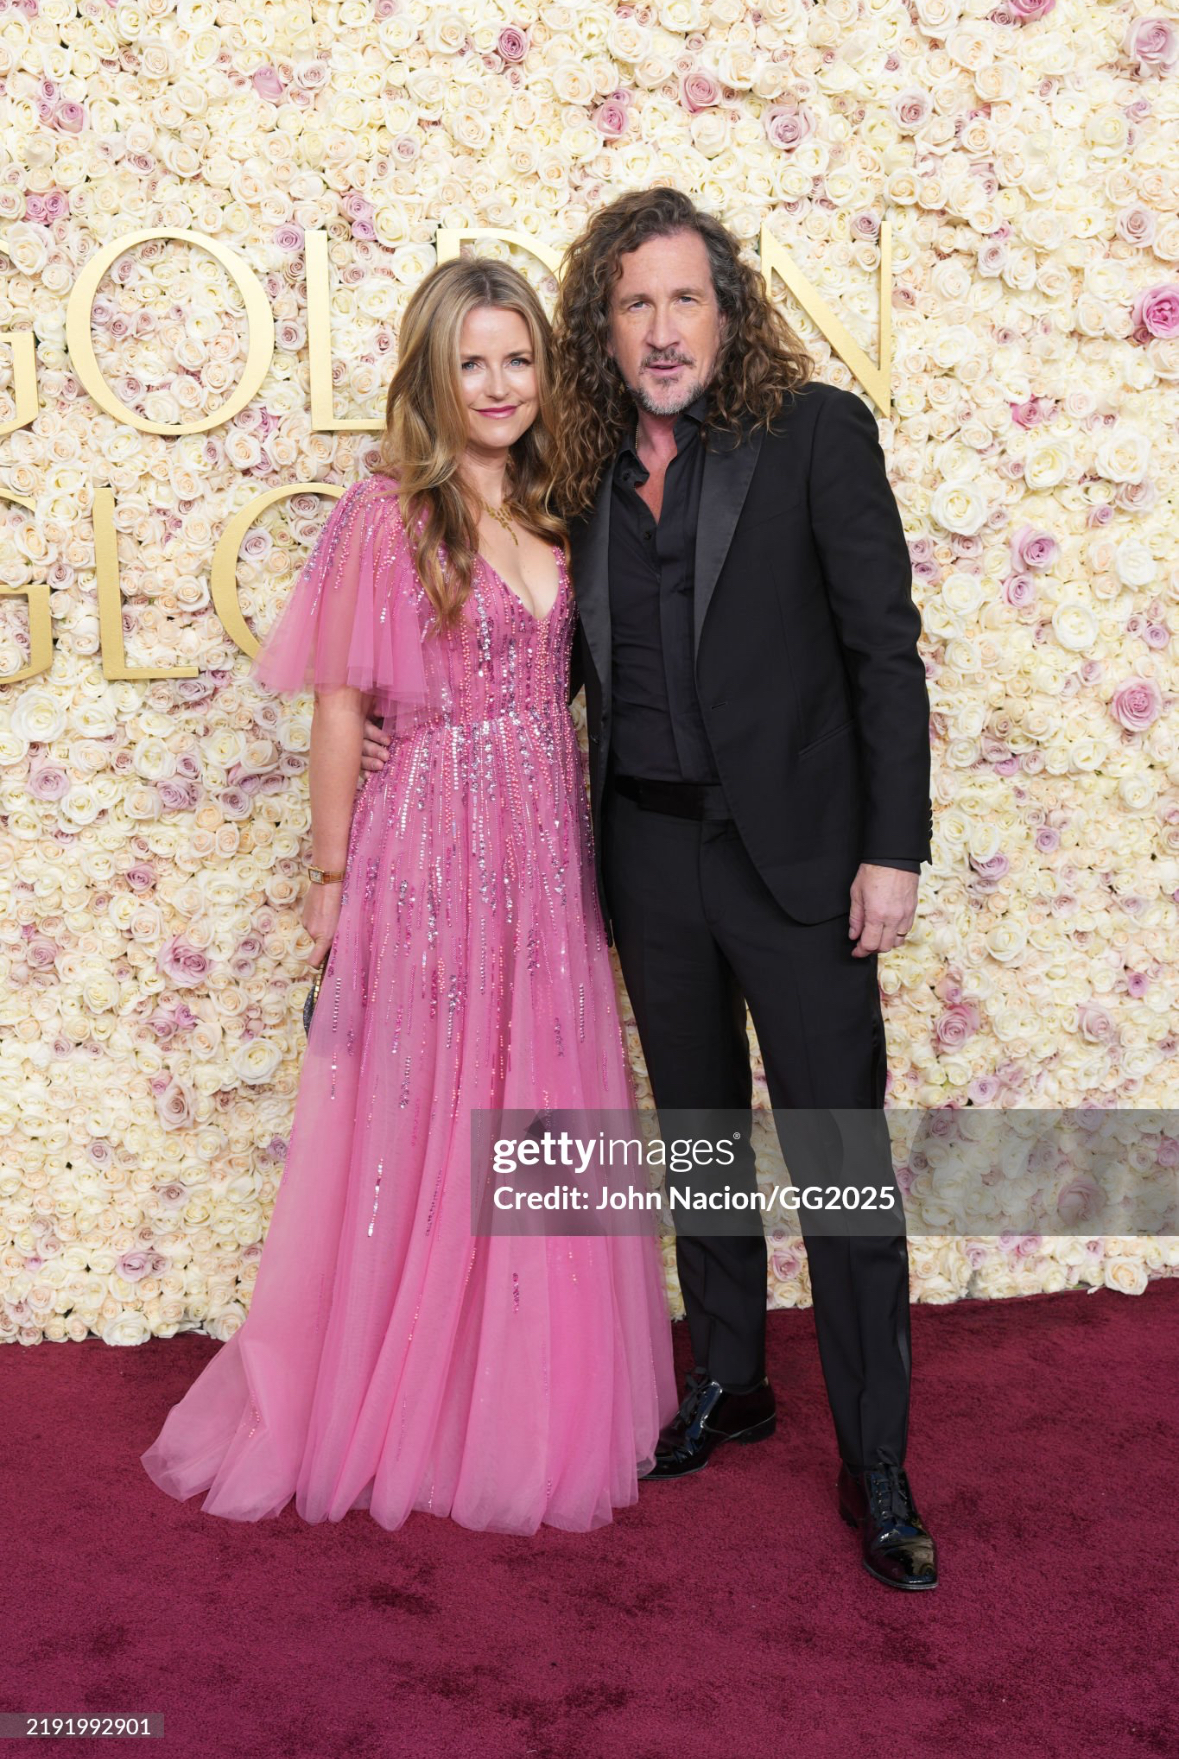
[{"x": 674, "y": 403}]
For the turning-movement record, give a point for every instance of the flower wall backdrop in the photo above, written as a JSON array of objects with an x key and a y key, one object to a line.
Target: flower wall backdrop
[{"x": 151, "y": 843}]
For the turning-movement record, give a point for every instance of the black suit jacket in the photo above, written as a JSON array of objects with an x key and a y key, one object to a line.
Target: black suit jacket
[{"x": 810, "y": 681}]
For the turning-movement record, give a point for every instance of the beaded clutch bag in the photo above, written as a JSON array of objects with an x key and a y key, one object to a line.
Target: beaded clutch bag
[{"x": 312, "y": 996}]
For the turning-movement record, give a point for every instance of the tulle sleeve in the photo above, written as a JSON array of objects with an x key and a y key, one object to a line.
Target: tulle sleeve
[{"x": 357, "y": 614}]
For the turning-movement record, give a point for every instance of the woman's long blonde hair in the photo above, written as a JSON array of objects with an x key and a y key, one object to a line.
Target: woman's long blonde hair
[{"x": 426, "y": 426}]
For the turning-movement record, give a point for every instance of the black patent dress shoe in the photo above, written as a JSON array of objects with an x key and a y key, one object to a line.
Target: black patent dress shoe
[
  {"x": 896, "y": 1545},
  {"x": 709, "y": 1416}
]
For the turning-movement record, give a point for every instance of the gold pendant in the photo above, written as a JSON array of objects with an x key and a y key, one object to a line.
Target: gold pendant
[{"x": 504, "y": 518}]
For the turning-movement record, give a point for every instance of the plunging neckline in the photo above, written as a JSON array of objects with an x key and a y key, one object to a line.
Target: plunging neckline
[{"x": 515, "y": 596}]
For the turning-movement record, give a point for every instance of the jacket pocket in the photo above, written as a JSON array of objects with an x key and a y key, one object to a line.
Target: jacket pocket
[
  {"x": 789, "y": 507},
  {"x": 831, "y": 733}
]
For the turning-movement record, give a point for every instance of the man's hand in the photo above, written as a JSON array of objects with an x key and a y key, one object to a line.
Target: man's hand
[
  {"x": 375, "y": 748},
  {"x": 883, "y": 904}
]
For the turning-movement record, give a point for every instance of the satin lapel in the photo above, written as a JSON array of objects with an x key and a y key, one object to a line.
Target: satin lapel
[
  {"x": 591, "y": 583},
  {"x": 728, "y": 471}
]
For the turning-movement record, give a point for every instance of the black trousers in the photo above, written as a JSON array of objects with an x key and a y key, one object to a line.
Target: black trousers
[{"x": 699, "y": 935}]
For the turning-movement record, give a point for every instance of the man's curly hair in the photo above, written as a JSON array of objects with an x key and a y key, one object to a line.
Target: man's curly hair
[{"x": 761, "y": 361}]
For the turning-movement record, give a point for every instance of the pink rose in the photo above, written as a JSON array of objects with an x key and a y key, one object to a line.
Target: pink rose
[
  {"x": 787, "y": 125},
  {"x": 610, "y": 119},
  {"x": 48, "y": 782},
  {"x": 268, "y": 85},
  {"x": 41, "y": 953},
  {"x": 183, "y": 963},
  {"x": 1031, "y": 413},
  {"x": 177, "y": 796},
  {"x": 983, "y": 1089},
  {"x": 1136, "y": 704},
  {"x": 787, "y": 1262},
  {"x": 698, "y": 90},
  {"x": 1079, "y": 1200},
  {"x": 1156, "y": 310},
  {"x": 174, "y": 1105},
  {"x": 1094, "y": 1023},
  {"x": 1137, "y": 984},
  {"x": 995, "y": 867},
  {"x": 1047, "y": 840},
  {"x": 70, "y": 117},
  {"x": 1019, "y": 590},
  {"x": 513, "y": 43},
  {"x": 1027, "y": 11},
  {"x": 1153, "y": 43},
  {"x": 1137, "y": 225},
  {"x": 1033, "y": 549},
  {"x": 955, "y": 1026},
  {"x": 911, "y": 109}
]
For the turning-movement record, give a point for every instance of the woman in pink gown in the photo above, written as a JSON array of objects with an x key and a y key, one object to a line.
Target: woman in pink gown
[{"x": 391, "y": 1360}]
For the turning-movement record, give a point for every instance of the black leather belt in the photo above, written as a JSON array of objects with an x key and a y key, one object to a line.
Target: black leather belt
[{"x": 681, "y": 799}]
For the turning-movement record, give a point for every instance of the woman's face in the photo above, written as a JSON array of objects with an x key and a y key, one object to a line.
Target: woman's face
[{"x": 497, "y": 376}]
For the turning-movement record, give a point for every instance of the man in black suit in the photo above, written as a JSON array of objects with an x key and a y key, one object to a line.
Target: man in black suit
[{"x": 759, "y": 761}]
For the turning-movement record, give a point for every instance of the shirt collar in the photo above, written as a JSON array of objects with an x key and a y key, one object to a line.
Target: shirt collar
[{"x": 688, "y": 423}]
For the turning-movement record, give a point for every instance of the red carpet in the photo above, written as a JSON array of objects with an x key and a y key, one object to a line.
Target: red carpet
[{"x": 724, "y": 1617}]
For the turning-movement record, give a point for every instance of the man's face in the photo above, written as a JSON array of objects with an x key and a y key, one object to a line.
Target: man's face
[{"x": 665, "y": 324}]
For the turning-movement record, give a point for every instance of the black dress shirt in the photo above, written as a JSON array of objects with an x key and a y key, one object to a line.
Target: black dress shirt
[{"x": 658, "y": 730}]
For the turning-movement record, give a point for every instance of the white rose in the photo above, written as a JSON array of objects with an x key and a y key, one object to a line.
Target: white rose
[
  {"x": 959, "y": 507},
  {"x": 411, "y": 262},
  {"x": 1006, "y": 943},
  {"x": 469, "y": 129},
  {"x": 1074, "y": 626},
  {"x": 1122, "y": 454},
  {"x": 1133, "y": 563},
  {"x": 130, "y": 1327},
  {"x": 628, "y": 41},
  {"x": 99, "y": 990},
  {"x": 1126, "y": 1275},
  {"x": 38, "y": 715},
  {"x": 737, "y": 66},
  {"x": 681, "y": 16},
  {"x": 1137, "y": 792},
  {"x": 255, "y": 1061},
  {"x": 1047, "y": 462},
  {"x": 571, "y": 82},
  {"x": 963, "y": 594},
  {"x": 223, "y": 1324},
  {"x": 153, "y": 760}
]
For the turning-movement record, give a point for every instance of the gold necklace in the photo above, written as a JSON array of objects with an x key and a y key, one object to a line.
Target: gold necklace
[{"x": 502, "y": 517}]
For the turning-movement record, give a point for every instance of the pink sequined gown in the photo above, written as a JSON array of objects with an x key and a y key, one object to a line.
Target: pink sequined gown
[{"x": 390, "y": 1360}]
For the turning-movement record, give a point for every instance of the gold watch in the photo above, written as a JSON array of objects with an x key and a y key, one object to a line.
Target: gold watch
[{"x": 320, "y": 876}]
